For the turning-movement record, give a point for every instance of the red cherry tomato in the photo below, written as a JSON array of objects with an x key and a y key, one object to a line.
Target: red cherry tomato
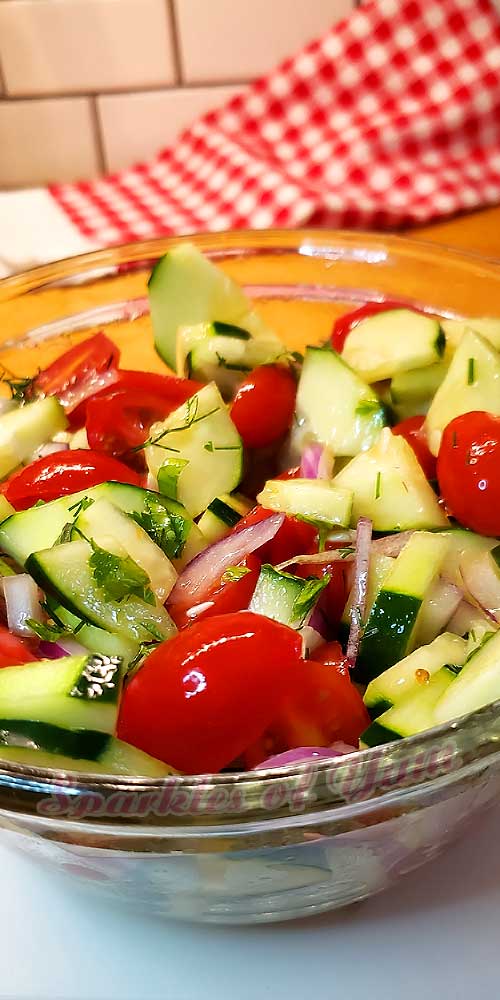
[
  {"x": 468, "y": 471},
  {"x": 324, "y": 707},
  {"x": 294, "y": 538},
  {"x": 412, "y": 431},
  {"x": 204, "y": 696},
  {"x": 64, "y": 472},
  {"x": 344, "y": 324},
  {"x": 167, "y": 387},
  {"x": 80, "y": 372},
  {"x": 263, "y": 407},
  {"x": 224, "y": 597},
  {"x": 13, "y": 650}
]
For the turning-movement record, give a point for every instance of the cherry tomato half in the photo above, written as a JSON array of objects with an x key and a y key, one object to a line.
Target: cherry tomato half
[
  {"x": 13, "y": 650},
  {"x": 224, "y": 597},
  {"x": 167, "y": 387},
  {"x": 80, "y": 372},
  {"x": 294, "y": 538},
  {"x": 262, "y": 409},
  {"x": 412, "y": 431},
  {"x": 468, "y": 471},
  {"x": 324, "y": 707},
  {"x": 64, "y": 472},
  {"x": 344, "y": 324},
  {"x": 204, "y": 696}
]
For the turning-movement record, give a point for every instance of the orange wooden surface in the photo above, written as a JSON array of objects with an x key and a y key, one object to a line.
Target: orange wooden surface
[{"x": 477, "y": 231}]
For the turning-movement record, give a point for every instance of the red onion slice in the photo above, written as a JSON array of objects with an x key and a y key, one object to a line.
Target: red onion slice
[
  {"x": 87, "y": 386},
  {"x": 65, "y": 647},
  {"x": 208, "y": 566},
  {"x": 482, "y": 582},
  {"x": 317, "y": 462},
  {"x": 22, "y": 601},
  {"x": 312, "y": 638},
  {"x": 391, "y": 545},
  {"x": 51, "y": 448},
  {"x": 360, "y": 587},
  {"x": 302, "y": 755}
]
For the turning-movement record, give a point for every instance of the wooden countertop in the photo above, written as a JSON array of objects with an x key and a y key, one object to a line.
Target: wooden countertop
[{"x": 477, "y": 231}]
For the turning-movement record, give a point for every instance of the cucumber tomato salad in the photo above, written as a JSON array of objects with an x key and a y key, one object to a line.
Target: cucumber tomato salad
[{"x": 262, "y": 559}]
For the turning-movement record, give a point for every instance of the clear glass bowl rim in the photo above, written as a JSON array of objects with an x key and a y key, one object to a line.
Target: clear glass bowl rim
[{"x": 466, "y": 745}]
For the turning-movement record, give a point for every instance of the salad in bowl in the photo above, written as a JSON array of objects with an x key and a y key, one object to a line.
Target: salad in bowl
[{"x": 255, "y": 557}]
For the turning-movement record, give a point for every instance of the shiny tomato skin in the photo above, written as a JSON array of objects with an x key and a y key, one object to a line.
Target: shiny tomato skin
[
  {"x": 172, "y": 389},
  {"x": 412, "y": 431},
  {"x": 64, "y": 472},
  {"x": 78, "y": 369},
  {"x": 333, "y": 599},
  {"x": 223, "y": 598},
  {"x": 468, "y": 471},
  {"x": 202, "y": 697},
  {"x": 324, "y": 707},
  {"x": 119, "y": 422},
  {"x": 345, "y": 323},
  {"x": 263, "y": 406},
  {"x": 13, "y": 649},
  {"x": 294, "y": 538}
]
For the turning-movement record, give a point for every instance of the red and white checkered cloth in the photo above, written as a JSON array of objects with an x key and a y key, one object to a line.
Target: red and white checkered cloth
[{"x": 392, "y": 117}]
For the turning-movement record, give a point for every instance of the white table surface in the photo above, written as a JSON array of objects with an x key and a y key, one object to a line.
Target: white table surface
[{"x": 436, "y": 935}]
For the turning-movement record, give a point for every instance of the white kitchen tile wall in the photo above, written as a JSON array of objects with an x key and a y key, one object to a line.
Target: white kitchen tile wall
[{"x": 87, "y": 85}]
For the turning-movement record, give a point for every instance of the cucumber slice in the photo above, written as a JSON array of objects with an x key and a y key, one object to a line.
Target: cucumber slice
[
  {"x": 478, "y": 683},
  {"x": 96, "y": 640},
  {"x": 378, "y": 570},
  {"x": 413, "y": 714},
  {"x": 222, "y": 515},
  {"x": 65, "y": 572},
  {"x": 76, "y": 692},
  {"x": 390, "y": 687},
  {"x": 114, "y": 531},
  {"x": 186, "y": 289},
  {"x": 438, "y": 606},
  {"x": 390, "y": 488},
  {"x": 201, "y": 433},
  {"x": 27, "y": 427},
  {"x": 285, "y": 598},
  {"x": 481, "y": 578},
  {"x": 463, "y": 544},
  {"x": 472, "y": 383},
  {"x": 213, "y": 352},
  {"x": 389, "y": 631},
  {"x": 40, "y": 527},
  {"x": 313, "y": 500},
  {"x": 469, "y": 620},
  {"x": 335, "y": 406},
  {"x": 393, "y": 341},
  {"x": 412, "y": 391},
  {"x": 455, "y": 329},
  {"x": 76, "y": 750}
]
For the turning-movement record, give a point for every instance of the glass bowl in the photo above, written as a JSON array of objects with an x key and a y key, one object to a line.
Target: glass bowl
[{"x": 277, "y": 844}]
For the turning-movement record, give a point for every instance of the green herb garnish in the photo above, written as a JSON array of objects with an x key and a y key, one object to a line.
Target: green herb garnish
[
  {"x": 378, "y": 485},
  {"x": 234, "y": 573},
  {"x": 368, "y": 408},
  {"x": 167, "y": 529},
  {"x": 210, "y": 446},
  {"x": 119, "y": 576},
  {"x": 21, "y": 389},
  {"x": 471, "y": 365},
  {"x": 45, "y": 631},
  {"x": 305, "y": 601}
]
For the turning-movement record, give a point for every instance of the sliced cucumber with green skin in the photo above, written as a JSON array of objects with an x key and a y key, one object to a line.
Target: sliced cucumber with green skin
[
  {"x": 202, "y": 433},
  {"x": 38, "y": 744},
  {"x": 463, "y": 544},
  {"x": 96, "y": 640},
  {"x": 455, "y": 329},
  {"x": 390, "y": 488},
  {"x": 389, "y": 631},
  {"x": 285, "y": 598},
  {"x": 27, "y": 427},
  {"x": 393, "y": 341},
  {"x": 185, "y": 289},
  {"x": 76, "y": 692},
  {"x": 311, "y": 499},
  {"x": 394, "y": 684},
  {"x": 40, "y": 527},
  {"x": 65, "y": 572},
  {"x": 412, "y": 391},
  {"x": 413, "y": 714},
  {"x": 335, "y": 406},
  {"x": 209, "y": 353},
  {"x": 379, "y": 568},
  {"x": 438, "y": 606},
  {"x": 115, "y": 531},
  {"x": 221, "y": 516},
  {"x": 478, "y": 683},
  {"x": 471, "y": 383}
]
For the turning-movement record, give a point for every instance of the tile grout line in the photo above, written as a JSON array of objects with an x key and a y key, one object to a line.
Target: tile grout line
[
  {"x": 174, "y": 40},
  {"x": 147, "y": 89},
  {"x": 98, "y": 135}
]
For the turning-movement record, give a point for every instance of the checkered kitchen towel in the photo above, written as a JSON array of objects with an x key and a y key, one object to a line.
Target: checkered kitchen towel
[{"x": 391, "y": 118}]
